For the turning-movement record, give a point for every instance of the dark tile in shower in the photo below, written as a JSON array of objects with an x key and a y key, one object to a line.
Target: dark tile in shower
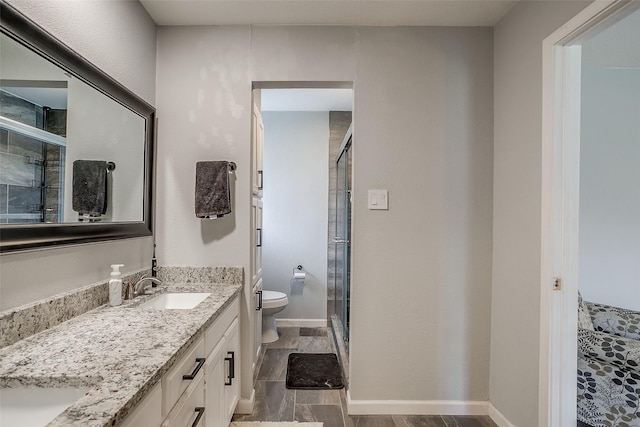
[
  {"x": 39, "y": 117},
  {"x": 4, "y": 140},
  {"x": 25, "y": 146},
  {"x": 4, "y": 195},
  {"x": 23, "y": 200},
  {"x": 14, "y": 170},
  {"x": 57, "y": 122},
  {"x": 17, "y": 109}
]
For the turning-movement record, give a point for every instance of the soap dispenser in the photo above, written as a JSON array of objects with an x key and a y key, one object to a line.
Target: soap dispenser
[{"x": 115, "y": 285}]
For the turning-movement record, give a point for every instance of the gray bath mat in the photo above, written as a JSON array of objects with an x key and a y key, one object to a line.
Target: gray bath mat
[{"x": 313, "y": 371}]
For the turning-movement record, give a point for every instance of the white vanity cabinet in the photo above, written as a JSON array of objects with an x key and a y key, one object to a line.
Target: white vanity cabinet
[
  {"x": 203, "y": 387},
  {"x": 222, "y": 369},
  {"x": 232, "y": 366}
]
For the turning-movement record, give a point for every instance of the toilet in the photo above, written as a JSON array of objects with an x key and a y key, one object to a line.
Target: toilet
[{"x": 272, "y": 303}]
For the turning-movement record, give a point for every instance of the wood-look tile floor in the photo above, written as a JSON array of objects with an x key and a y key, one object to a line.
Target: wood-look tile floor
[{"x": 274, "y": 402}]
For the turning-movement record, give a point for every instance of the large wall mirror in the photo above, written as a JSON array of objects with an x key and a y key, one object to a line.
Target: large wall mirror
[{"x": 76, "y": 147}]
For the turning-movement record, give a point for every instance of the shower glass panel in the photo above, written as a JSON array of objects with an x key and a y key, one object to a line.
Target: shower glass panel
[{"x": 342, "y": 238}]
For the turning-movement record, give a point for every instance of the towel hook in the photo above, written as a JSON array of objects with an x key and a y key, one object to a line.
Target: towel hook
[
  {"x": 111, "y": 166},
  {"x": 232, "y": 166}
]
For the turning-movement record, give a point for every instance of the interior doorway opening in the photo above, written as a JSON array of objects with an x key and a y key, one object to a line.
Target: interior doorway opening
[
  {"x": 585, "y": 57},
  {"x": 304, "y": 129}
]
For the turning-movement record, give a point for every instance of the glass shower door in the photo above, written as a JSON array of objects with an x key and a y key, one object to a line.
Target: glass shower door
[{"x": 342, "y": 239}]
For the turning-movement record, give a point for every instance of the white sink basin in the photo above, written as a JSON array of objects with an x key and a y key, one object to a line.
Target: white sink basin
[
  {"x": 175, "y": 301},
  {"x": 31, "y": 407}
]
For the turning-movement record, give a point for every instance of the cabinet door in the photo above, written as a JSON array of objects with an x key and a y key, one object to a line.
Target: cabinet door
[
  {"x": 214, "y": 387},
  {"x": 232, "y": 369},
  {"x": 257, "y": 151},
  {"x": 259, "y": 234},
  {"x": 256, "y": 332},
  {"x": 256, "y": 240}
]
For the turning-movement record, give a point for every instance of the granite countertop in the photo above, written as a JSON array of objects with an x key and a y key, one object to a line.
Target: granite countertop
[{"x": 119, "y": 352}]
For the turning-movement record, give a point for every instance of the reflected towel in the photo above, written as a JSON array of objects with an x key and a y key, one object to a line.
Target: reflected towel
[
  {"x": 212, "y": 195},
  {"x": 89, "y": 192}
]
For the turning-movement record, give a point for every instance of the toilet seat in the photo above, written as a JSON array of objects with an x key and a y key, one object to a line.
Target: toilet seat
[{"x": 273, "y": 299}]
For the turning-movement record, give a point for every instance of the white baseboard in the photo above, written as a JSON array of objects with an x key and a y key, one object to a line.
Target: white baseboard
[
  {"x": 416, "y": 407},
  {"x": 245, "y": 406},
  {"x": 498, "y": 418},
  {"x": 302, "y": 323},
  {"x": 426, "y": 407}
]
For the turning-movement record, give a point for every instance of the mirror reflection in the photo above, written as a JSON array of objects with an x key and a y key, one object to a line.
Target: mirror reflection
[{"x": 68, "y": 153}]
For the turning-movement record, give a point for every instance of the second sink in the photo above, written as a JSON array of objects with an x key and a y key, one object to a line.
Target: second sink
[
  {"x": 175, "y": 301},
  {"x": 28, "y": 407}
]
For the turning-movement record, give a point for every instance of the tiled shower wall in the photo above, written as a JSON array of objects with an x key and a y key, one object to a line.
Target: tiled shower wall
[
  {"x": 26, "y": 163},
  {"x": 339, "y": 122}
]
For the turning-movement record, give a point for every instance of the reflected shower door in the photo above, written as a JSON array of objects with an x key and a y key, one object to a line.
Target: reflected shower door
[{"x": 342, "y": 238}]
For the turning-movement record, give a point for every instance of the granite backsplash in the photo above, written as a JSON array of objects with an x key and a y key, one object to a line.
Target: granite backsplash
[{"x": 21, "y": 322}]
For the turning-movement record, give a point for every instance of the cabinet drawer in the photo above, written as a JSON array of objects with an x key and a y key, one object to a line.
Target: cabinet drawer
[
  {"x": 173, "y": 383},
  {"x": 189, "y": 411},
  {"x": 216, "y": 331}
]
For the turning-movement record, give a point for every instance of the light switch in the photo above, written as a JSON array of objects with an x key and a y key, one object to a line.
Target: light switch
[{"x": 378, "y": 199}]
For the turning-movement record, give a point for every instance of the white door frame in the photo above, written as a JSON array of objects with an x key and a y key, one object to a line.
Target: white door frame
[{"x": 560, "y": 209}]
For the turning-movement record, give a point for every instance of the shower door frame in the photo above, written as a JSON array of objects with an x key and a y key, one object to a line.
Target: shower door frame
[{"x": 342, "y": 240}]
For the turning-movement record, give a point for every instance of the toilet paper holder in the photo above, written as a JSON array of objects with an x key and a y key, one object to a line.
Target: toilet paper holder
[{"x": 299, "y": 273}]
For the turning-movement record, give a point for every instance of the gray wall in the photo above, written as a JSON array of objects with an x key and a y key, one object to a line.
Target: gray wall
[
  {"x": 296, "y": 148},
  {"x": 120, "y": 38},
  {"x": 515, "y": 303},
  {"x": 424, "y": 131}
]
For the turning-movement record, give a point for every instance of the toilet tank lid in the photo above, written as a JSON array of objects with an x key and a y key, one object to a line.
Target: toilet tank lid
[{"x": 272, "y": 295}]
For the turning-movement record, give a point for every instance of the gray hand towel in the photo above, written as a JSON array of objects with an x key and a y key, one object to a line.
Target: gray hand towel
[
  {"x": 212, "y": 195},
  {"x": 89, "y": 190}
]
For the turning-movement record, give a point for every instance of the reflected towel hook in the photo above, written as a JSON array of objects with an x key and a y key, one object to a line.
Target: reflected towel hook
[
  {"x": 232, "y": 166},
  {"x": 111, "y": 166}
]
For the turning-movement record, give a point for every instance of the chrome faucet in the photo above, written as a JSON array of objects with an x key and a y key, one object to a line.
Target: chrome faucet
[{"x": 139, "y": 288}]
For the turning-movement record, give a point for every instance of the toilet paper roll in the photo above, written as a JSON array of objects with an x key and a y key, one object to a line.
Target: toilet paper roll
[{"x": 299, "y": 275}]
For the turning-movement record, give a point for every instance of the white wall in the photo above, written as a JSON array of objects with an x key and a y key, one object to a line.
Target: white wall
[
  {"x": 609, "y": 186},
  {"x": 295, "y": 221},
  {"x": 515, "y": 304},
  {"x": 423, "y": 130},
  {"x": 120, "y": 38}
]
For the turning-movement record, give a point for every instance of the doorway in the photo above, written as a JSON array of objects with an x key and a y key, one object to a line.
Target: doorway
[
  {"x": 304, "y": 125},
  {"x": 572, "y": 188}
]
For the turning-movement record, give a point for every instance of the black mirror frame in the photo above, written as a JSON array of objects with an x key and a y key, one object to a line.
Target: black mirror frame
[{"x": 21, "y": 237}]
